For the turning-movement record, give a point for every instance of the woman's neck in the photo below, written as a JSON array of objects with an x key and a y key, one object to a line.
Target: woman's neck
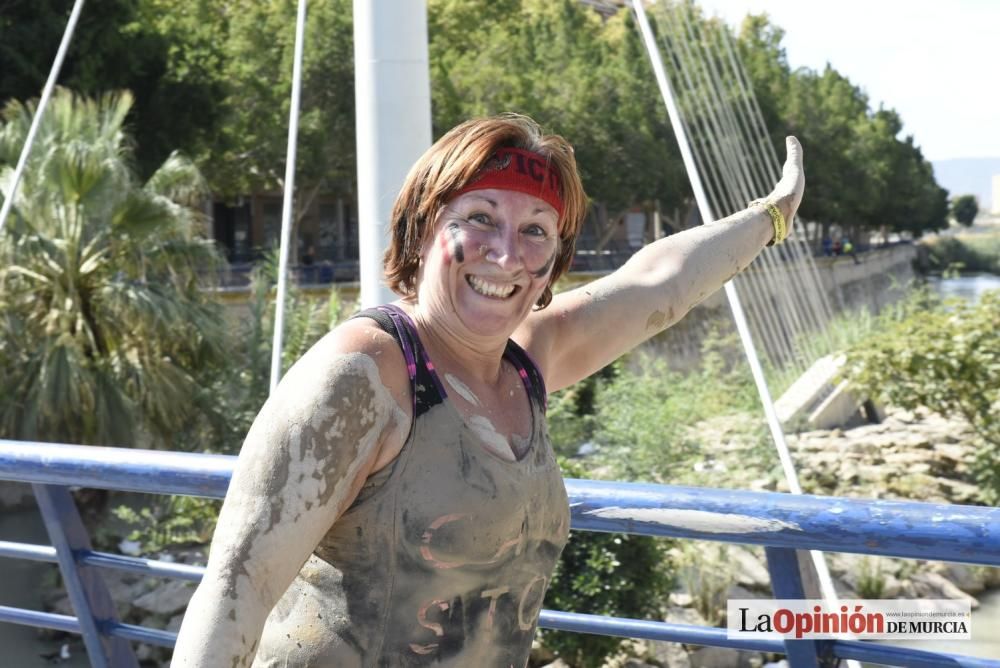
[{"x": 477, "y": 357}]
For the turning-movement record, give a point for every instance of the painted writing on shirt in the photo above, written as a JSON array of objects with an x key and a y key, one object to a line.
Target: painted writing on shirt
[
  {"x": 526, "y": 599},
  {"x": 427, "y": 549},
  {"x": 529, "y": 603}
]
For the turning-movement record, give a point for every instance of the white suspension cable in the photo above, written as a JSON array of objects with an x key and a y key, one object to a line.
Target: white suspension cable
[
  {"x": 800, "y": 252},
  {"x": 708, "y": 217},
  {"x": 774, "y": 265},
  {"x": 43, "y": 102},
  {"x": 739, "y": 185},
  {"x": 756, "y": 117},
  {"x": 731, "y": 131},
  {"x": 720, "y": 198},
  {"x": 774, "y": 425},
  {"x": 732, "y": 143},
  {"x": 705, "y": 165},
  {"x": 289, "y": 195}
]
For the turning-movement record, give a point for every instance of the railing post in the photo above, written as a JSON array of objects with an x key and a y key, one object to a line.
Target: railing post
[
  {"x": 786, "y": 582},
  {"x": 87, "y": 592}
]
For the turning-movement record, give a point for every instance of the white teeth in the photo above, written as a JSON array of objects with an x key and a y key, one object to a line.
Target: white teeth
[{"x": 488, "y": 289}]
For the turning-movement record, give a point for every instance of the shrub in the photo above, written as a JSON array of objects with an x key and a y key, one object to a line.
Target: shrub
[
  {"x": 636, "y": 423},
  {"x": 944, "y": 357},
  {"x": 241, "y": 390},
  {"x": 246, "y": 385},
  {"x": 643, "y": 414},
  {"x": 967, "y": 252},
  {"x": 871, "y": 578},
  {"x": 570, "y": 415},
  {"x": 605, "y": 574},
  {"x": 171, "y": 521}
]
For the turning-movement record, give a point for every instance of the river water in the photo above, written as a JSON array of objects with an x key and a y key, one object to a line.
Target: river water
[{"x": 967, "y": 287}]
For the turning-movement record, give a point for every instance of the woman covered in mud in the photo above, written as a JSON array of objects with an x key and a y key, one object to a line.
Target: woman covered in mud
[{"x": 397, "y": 502}]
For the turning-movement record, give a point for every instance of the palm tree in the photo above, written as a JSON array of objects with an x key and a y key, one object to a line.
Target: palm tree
[{"x": 103, "y": 330}]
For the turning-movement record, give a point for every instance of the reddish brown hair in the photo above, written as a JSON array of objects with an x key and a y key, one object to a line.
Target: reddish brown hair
[{"x": 450, "y": 164}]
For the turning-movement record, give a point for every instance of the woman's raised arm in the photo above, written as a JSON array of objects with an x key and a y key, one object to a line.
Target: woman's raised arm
[
  {"x": 303, "y": 462},
  {"x": 586, "y": 328}
]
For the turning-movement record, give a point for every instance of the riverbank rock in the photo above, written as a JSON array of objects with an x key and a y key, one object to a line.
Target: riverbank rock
[
  {"x": 124, "y": 588},
  {"x": 166, "y": 600},
  {"x": 750, "y": 568},
  {"x": 669, "y": 654},
  {"x": 931, "y": 585},
  {"x": 157, "y": 603},
  {"x": 923, "y": 457},
  {"x": 970, "y": 579},
  {"x": 15, "y": 495},
  {"x": 715, "y": 657}
]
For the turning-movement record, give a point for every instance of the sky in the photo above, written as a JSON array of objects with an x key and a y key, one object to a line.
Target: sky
[{"x": 936, "y": 62}]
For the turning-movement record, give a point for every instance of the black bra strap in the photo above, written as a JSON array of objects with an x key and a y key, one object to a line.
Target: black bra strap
[
  {"x": 530, "y": 374},
  {"x": 424, "y": 384}
]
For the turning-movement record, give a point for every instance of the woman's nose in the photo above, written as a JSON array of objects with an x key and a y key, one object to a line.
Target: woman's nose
[{"x": 502, "y": 249}]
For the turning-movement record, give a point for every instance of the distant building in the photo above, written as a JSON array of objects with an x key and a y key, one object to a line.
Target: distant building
[
  {"x": 996, "y": 194},
  {"x": 324, "y": 243}
]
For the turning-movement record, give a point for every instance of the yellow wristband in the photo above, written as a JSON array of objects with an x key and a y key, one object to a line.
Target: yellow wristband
[{"x": 777, "y": 220}]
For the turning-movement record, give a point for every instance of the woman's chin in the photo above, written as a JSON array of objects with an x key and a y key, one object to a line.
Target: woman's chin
[{"x": 491, "y": 316}]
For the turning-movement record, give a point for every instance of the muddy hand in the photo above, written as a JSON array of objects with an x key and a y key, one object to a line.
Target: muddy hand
[{"x": 787, "y": 194}]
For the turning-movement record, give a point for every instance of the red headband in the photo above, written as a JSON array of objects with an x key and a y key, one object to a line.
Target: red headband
[{"x": 520, "y": 170}]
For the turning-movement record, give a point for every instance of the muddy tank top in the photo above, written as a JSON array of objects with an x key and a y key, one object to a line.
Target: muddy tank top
[{"x": 445, "y": 556}]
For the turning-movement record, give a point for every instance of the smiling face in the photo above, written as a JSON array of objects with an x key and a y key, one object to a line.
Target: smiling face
[{"x": 489, "y": 260}]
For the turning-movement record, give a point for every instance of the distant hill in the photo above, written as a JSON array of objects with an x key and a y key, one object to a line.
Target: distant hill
[{"x": 964, "y": 176}]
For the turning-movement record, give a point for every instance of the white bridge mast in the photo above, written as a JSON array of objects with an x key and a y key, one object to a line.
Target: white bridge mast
[{"x": 393, "y": 108}]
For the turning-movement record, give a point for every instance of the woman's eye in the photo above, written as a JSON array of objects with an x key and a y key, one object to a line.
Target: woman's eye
[
  {"x": 536, "y": 231},
  {"x": 480, "y": 218}
]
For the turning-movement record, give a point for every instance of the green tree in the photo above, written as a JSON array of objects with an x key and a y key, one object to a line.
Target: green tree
[
  {"x": 244, "y": 383},
  {"x": 213, "y": 79},
  {"x": 863, "y": 175},
  {"x": 899, "y": 191},
  {"x": 166, "y": 52},
  {"x": 577, "y": 75},
  {"x": 964, "y": 209},
  {"x": 639, "y": 161},
  {"x": 102, "y": 324},
  {"x": 248, "y": 155},
  {"x": 766, "y": 64},
  {"x": 826, "y": 108}
]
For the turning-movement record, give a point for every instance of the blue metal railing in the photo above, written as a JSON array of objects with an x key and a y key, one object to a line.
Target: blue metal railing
[{"x": 782, "y": 523}]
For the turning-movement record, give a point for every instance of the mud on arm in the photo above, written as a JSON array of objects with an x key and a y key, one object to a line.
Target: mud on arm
[{"x": 304, "y": 460}]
